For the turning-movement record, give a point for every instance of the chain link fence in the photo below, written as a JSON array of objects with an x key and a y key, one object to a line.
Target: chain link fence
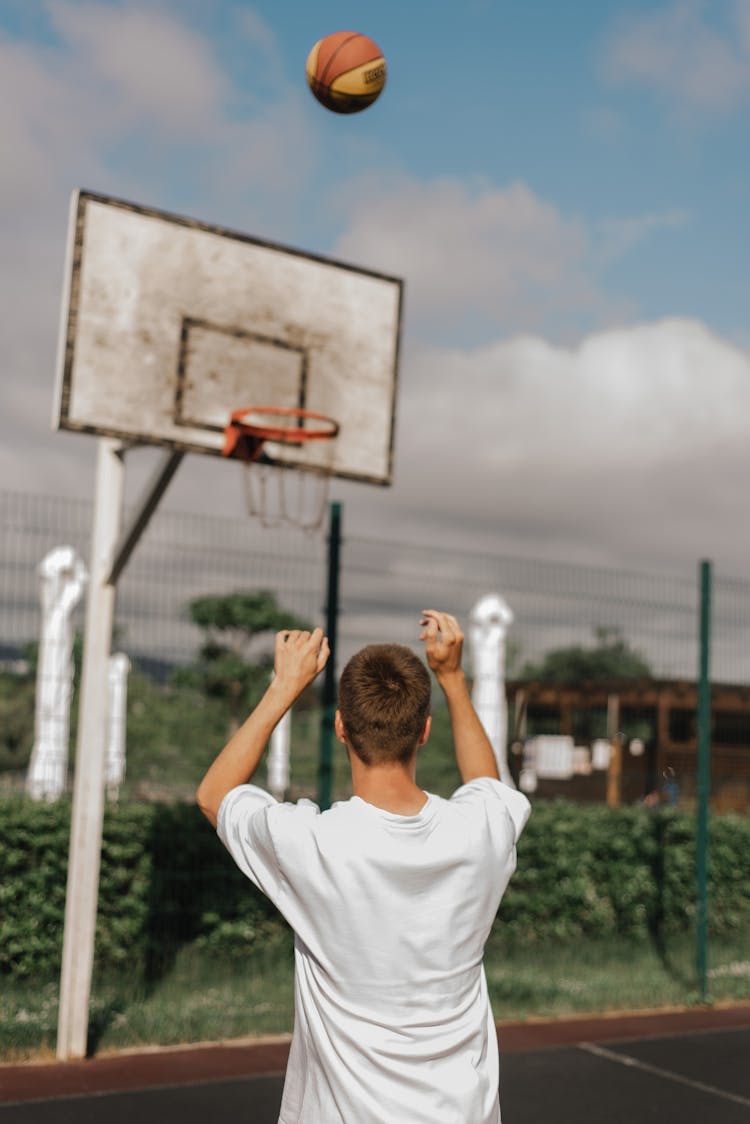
[{"x": 557, "y": 608}]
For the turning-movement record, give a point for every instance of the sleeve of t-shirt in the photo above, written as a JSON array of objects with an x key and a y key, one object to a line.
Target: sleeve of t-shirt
[
  {"x": 243, "y": 827},
  {"x": 492, "y": 792}
]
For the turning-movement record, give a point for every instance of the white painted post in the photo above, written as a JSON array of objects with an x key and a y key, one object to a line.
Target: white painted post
[
  {"x": 63, "y": 577},
  {"x": 88, "y": 789},
  {"x": 278, "y": 757},
  {"x": 489, "y": 621},
  {"x": 114, "y": 765}
]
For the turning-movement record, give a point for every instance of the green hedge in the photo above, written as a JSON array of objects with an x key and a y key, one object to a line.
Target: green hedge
[
  {"x": 590, "y": 871},
  {"x": 166, "y": 882}
]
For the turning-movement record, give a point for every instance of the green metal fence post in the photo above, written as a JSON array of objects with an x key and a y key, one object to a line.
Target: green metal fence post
[
  {"x": 325, "y": 768},
  {"x": 704, "y": 780}
]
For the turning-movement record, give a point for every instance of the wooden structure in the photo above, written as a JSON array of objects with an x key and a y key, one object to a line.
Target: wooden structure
[{"x": 653, "y": 715}]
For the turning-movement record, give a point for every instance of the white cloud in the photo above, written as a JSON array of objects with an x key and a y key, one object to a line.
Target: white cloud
[
  {"x": 47, "y": 124},
  {"x": 124, "y": 97},
  {"x": 615, "y": 237},
  {"x": 260, "y": 35},
  {"x": 110, "y": 75},
  {"x": 493, "y": 258},
  {"x": 502, "y": 254},
  {"x": 675, "y": 49},
  {"x": 632, "y": 398},
  {"x": 271, "y": 153},
  {"x": 145, "y": 62},
  {"x": 631, "y": 446}
]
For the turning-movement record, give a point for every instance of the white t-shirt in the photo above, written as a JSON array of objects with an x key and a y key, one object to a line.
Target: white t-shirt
[{"x": 391, "y": 913}]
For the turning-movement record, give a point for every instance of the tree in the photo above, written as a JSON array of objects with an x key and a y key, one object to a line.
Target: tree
[
  {"x": 610, "y": 658},
  {"x": 232, "y": 664}
]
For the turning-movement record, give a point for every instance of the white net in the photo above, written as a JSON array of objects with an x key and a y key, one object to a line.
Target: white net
[
  {"x": 276, "y": 494},
  {"x": 293, "y": 494}
]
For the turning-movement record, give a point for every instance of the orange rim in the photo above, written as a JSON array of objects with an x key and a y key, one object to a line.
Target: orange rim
[{"x": 255, "y": 434}]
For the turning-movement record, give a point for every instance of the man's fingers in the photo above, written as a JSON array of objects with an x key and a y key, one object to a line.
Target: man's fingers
[
  {"x": 323, "y": 653},
  {"x": 315, "y": 641},
  {"x": 299, "y": 634},
  {"x": 443, "y": 640},
  {"x": 429, "y": 626},
  {"x": 295, "y": 639},
  {"x": 435, "y": 620}
]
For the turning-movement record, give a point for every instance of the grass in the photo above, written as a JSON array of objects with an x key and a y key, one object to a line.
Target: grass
[
  {"x": 199, "y": 1001},
  {"x": 202, "y": 999},
  {"x": 594, "y": 976}
]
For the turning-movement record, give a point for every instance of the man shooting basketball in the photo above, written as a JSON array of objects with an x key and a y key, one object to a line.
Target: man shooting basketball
[{"x": 391, "y": 894}]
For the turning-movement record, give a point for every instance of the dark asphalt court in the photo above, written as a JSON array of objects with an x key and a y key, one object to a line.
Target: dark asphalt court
[{"x": 698, "y": 1077}]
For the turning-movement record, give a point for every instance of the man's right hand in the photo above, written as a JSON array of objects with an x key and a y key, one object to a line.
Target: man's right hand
[{"x": 443, "y": 642}]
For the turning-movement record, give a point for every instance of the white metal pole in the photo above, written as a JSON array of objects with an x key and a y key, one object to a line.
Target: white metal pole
[
  {"x": 278, "y": 757},
  {"x": 277, "y": 760},
  {"x": 117, "y": 718},
  {"x": 88, "y": 788},
  {"x": 63, "y": 577},
  {"x": 489, "y": 621}
]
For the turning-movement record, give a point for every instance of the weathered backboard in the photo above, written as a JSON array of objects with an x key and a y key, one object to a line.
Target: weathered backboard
[{"x": 169, "y": 324}]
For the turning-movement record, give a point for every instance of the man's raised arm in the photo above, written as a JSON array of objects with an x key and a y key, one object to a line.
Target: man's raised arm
[
  {"x": 443, "y": 648},
  {"x": 298, "y": 658}
]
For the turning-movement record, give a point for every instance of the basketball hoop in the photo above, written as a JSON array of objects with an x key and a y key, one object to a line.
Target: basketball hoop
[{"x": 257, "y": 436}]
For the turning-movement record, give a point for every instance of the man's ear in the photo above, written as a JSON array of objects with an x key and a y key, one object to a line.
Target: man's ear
[
  {"x": 338, "y": 725},
  {"x": 426, "y": 731}
]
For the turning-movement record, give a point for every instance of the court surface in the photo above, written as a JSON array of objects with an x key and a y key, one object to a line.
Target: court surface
[{"x": 686, "y": 1068}]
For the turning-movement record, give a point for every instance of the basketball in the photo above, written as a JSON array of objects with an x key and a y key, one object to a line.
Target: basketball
[{"x": 346, "y": 71}]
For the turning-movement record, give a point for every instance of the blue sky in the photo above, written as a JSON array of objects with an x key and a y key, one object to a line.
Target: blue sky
[{"x": 564, "y": 189}]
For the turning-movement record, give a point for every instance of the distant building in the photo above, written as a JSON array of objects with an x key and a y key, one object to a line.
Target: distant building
[{"x": 656, "y": 719}]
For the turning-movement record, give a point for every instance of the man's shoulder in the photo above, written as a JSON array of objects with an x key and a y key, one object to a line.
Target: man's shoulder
[
  {"x": 494, "y": 795},
  {"x": 300, "y": 829},
  {"x": 244, "y": 803}
]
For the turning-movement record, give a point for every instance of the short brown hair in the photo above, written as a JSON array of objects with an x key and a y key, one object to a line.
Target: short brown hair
[{"x": 384, "y": 700}]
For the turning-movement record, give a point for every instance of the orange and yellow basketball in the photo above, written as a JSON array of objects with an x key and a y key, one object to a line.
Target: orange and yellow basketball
[{"x": 346, "y": 71}]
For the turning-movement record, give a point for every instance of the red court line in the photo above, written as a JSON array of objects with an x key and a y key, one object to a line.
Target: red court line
[{"x": 216, "y": 1062}]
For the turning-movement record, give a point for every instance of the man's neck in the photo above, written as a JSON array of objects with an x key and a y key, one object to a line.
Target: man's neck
[{"x": 390, "y": 787}]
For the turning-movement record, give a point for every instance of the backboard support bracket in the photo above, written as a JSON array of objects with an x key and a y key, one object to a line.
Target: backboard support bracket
[{"x": 149, "y": 501}]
